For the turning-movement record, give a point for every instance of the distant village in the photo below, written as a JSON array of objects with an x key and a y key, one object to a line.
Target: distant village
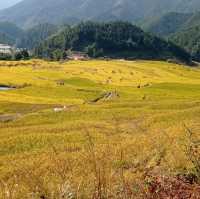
[
  {"x": 8, "y": 52},
  {"x": 7, "y": 49}
]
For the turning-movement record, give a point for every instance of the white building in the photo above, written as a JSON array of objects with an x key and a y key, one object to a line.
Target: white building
[{"x": 6, "y": 49}]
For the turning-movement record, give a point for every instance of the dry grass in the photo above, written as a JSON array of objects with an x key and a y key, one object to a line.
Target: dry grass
[{"x": 141, "y": 142}]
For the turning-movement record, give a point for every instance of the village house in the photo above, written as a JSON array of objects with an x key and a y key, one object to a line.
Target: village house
[
  {"x": 77, "y": 56},
  {"x": 6, "y": 49}
]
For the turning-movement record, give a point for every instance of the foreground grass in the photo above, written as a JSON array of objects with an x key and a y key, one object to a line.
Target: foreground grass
[{"x": 107, "y": 149}]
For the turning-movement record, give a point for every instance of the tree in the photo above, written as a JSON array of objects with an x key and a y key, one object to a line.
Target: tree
[
  {"x": 25, "y": 54},
  {"x": 4, "y": 56},
  {"x": 94, "y": 51},
  {"x": 18, "y": 56},
  {"x": 22, "y": 55}
]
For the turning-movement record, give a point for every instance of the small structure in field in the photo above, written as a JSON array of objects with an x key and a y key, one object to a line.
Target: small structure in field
[
  {"x": 108, "y": 96},
  {"x": 64, "y": 108},
  {"x": 75, "y": 55},
  {"x": 59, "y": 109},
  {"x": 60, "y": 82}
]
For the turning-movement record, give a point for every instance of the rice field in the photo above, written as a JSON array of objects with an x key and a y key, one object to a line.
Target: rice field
[{"x": 94, "y": 129}]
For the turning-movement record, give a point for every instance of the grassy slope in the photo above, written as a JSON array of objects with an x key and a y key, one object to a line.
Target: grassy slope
[{"x": 141, "y": 122}]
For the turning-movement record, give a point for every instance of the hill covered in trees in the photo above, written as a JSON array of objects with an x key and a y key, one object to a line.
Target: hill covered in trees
[
  {"x": 167, "y": 19},
  {"x": 5, "y": 39},
  {"x": 10, "y": 29},
  {"x": 189, "y": 39},
  {"x": 166, "y": 24},
  {"x": 30, "y": 38},
  {"x": 114, "y": 39},
  {"x": 9, "y": 33},
  {"x": 179, "y": 28},
  {"x": 34, "y": 36},
  {"x": 170, "y": 23}
]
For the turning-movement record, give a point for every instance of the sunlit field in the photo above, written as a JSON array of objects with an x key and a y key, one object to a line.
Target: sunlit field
[{"x": 97, "y": 129}]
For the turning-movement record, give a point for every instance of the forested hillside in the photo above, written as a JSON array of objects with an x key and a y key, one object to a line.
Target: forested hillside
[
  {"x": 117, "y": 39},
  {"x": 169, "y": 19},
  {"x": 10, "y": 29},
  {"x": 166, "y": 24},
  {"x": 5, "y": 39},
  {"x": 32, "y": 37},
  {"x": 33, "y": 12},
  {"x": 170, "y": 23},
  {"x": 9, "y": 33},
  {"x": 189, "y": 39},
  {"x": 181, "y": 29}
]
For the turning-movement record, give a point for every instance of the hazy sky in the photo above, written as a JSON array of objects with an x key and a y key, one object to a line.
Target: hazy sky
[{"x": 7, "y": 3}]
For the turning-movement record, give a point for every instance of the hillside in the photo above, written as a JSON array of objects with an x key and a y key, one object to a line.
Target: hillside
[
  {"x": 170, "y": 23},
  {"x": 32, "y": 12},
  {"x": 9, "y": 32},
  {"x": 10, "y": 29},
  {"x": 189, "y": 39},
  {"x": 166, "y": 24},
  {"x": 192, "y": 21},
  {"x": 6, "y": 4},
  {"x": 182, "y": 29},
  {"x": 77, "y": 126},
  {"x": 116, "y": 39},
  {"x": 5, "y": 39},
  {"x": 34, "y": 36},
  {"x": 29, "y": 38}
]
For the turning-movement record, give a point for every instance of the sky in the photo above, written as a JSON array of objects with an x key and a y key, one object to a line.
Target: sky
[{"x": 7, "y": 3}]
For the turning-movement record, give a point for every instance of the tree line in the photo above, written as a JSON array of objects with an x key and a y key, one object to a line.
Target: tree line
[{"x": 113, "y": 39}]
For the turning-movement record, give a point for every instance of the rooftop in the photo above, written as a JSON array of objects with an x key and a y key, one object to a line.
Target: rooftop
[{"x": 5, "y": 46}]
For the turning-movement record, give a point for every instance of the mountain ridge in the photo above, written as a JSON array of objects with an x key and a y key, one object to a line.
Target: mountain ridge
[
  {"x": 32, "y": 12},
  {"x": 182, "y": 29},
  {"x": 170, "y": 23}
]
